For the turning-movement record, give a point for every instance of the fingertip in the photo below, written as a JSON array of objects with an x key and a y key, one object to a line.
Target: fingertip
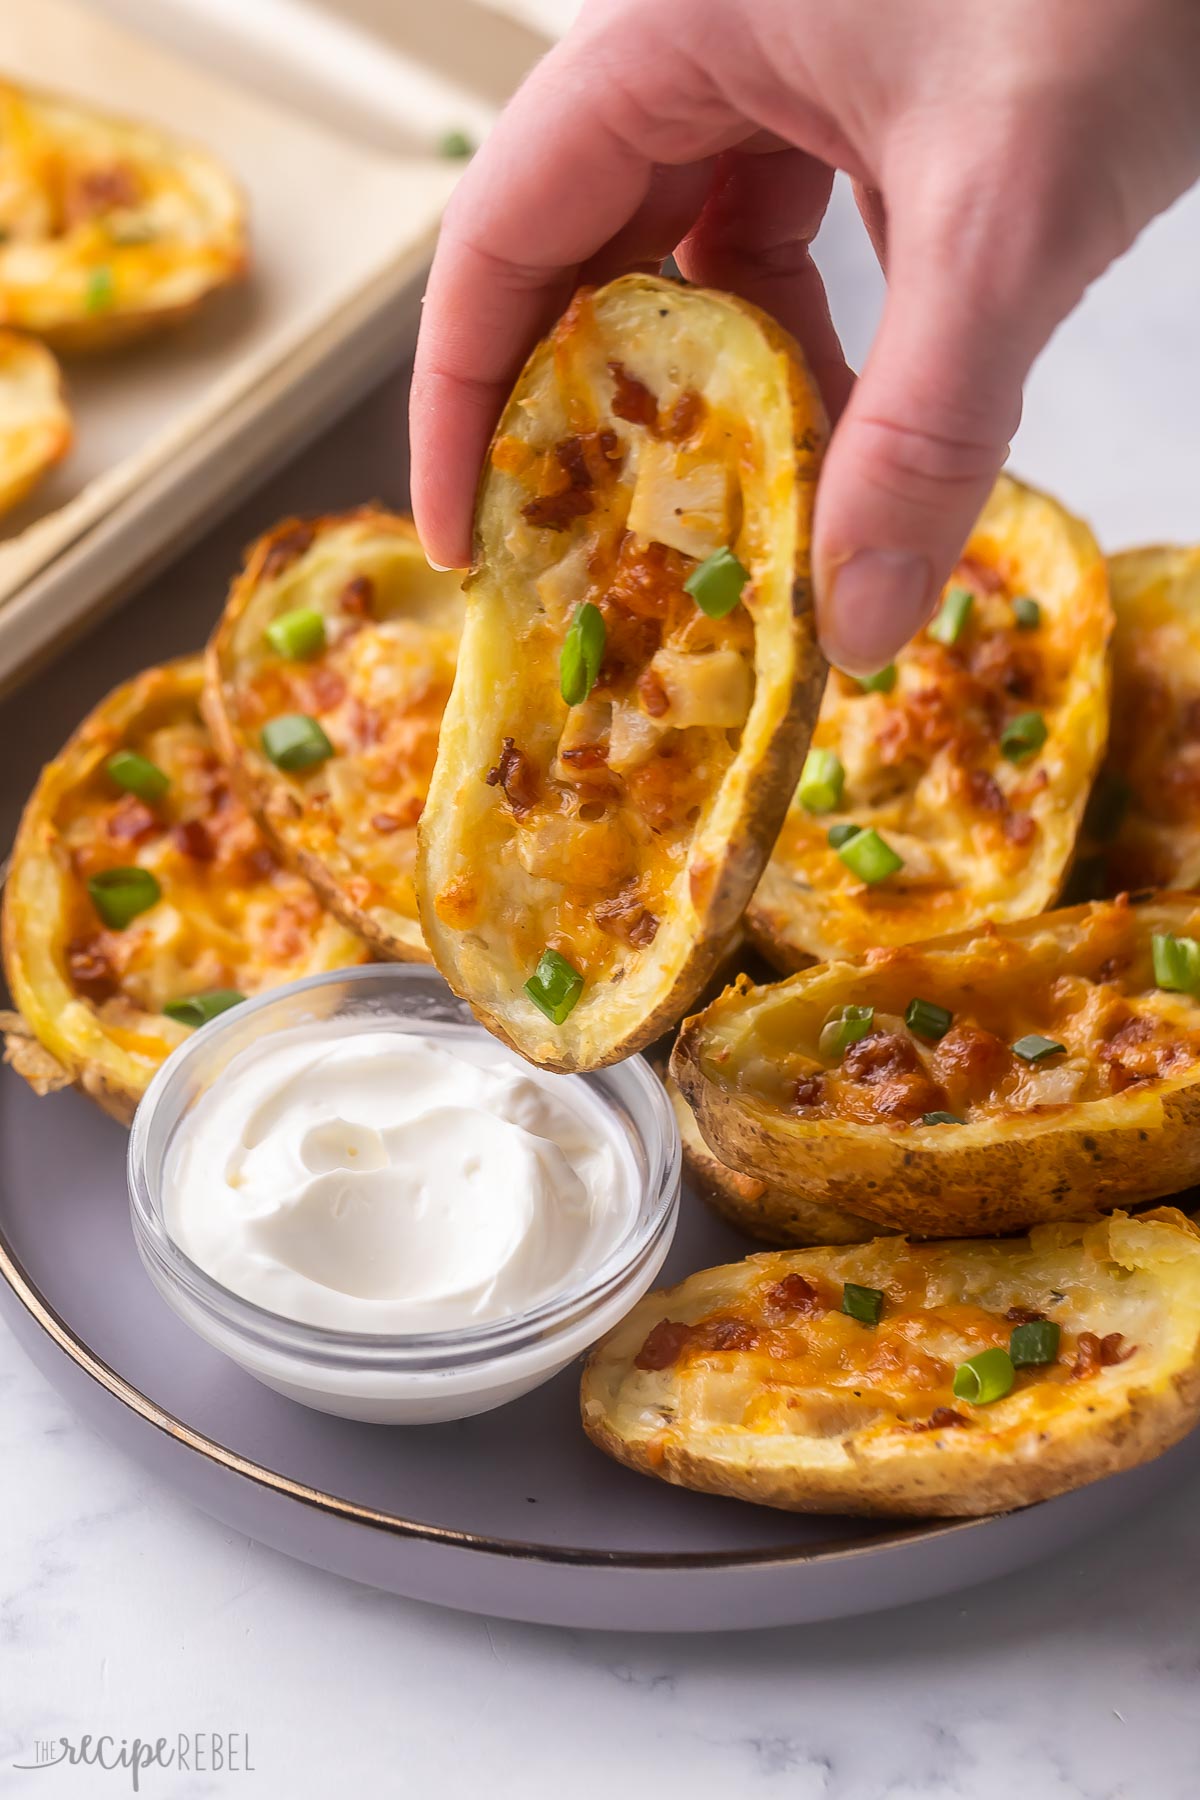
[{"x": 870, "y": 605}]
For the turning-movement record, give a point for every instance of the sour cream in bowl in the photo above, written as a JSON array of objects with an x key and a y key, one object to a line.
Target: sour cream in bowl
[{"x": 372, "y": 1205}]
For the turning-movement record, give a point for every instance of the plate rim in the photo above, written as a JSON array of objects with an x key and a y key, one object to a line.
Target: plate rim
[{"x": 48, "y": 1319}]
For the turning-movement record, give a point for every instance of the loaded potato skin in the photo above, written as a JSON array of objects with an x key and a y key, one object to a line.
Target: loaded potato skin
[
  {"x": 638, "y": 674},
  {"x": 339, "y": 621},
  {"x": 111, "y": 229},
  {"x": 1142, "y": 825},
  {"x": 983, "y": 1083},
  {"x": 971, "y": 757},
  {"x": 35, "y": 423},
  {"x": 831, "y": 1380},
  {"x": 139, "y": 882}
]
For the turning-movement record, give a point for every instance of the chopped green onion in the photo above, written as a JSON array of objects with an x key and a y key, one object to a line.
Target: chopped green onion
[
  {"x": 198, "y": 1009},
  {"x": 1033, "y": 1343},
  {"x": 582, "y": 653},
  {"x": 455, "y": 145},
  {"x": 294, "y": 741},
  {"x": 1033, "y": 1048},
  {"x": 862, "y": 1303},
  {"x": 984, "y": 1377},
  {"x": 882, "y": 682},
  {"x": 119, "y": 895},
  {"x": 952, "y": 616},
  {"x": 555, "y": 986},
  {"x": 837, "y": 835},
  {"x": 844, "y": 1027},
  {"x": 716, "y": 585},
  {"x": 928, "y": 1019},
  {"x": 1023, "y": 736},
  {"x": 869, "y": 857},
  {"x": 941, "y": 1118},
  {"x": 1176, "y": 962},
  {"x": 137, "y": 775},
  {"x": 821, "y": 781},
  {"x": 297, "y": 635},
  {"x": 1107, "y": 806},
  {"x": 1026, "y": 612},
  {"x": 99, "y": 293}
]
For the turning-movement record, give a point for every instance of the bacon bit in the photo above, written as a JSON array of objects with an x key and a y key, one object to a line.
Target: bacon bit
[
  {"x": 287, "y": 545},
  {"x": 1095, "y": 1353},
  {"x": 96, "y": 191},
  {"x": 685, "y": 417},
  {"x": 405, "y": 820},
  {"x": 648, "y": 578},
  {"x": 940, "y": 1419},
  {"x": 92, "y": 974},
  {"x": 970, "y": 1063},
  {"x": 1024, "y": 1315},
  {"x": 385, "y": 823},
  {"x": 261, "y": 863},
  {"x": 795, "y": 1294},
  {"x": 625, "y": 916},
  {"x": 585, "y": 459},
  {"x": 1007, "y": 667},
  {"x": 193, "y": 839},
  {"x": 809, "y": 1090},
  {"x": 1020, "y": 828},
  {"x": 985, "y": 792},
  {"x": 978, "y": 574},
  {"x": 132, "y": 822},
  {"x": 632, "y": 399},
  {"x": 517, "y": 776},
  {"x": 358, "y": 597},
  {"x": 652, "y": 694},
  {"x": 324, "y": 689},
  {"x": 554, "y": 512},
  {"x": 585, "y": 756},
  {"x": 891, "y": 1067},
  {"x": 728, "y": 1334},
  {"x": 664, "y": 1345}
]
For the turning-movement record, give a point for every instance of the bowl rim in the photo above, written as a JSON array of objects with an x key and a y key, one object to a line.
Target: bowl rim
[{"x": 641, "y": 1107}]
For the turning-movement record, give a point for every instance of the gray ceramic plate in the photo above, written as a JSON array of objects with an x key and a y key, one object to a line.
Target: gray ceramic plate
[{"x": 513, "y": 1513}]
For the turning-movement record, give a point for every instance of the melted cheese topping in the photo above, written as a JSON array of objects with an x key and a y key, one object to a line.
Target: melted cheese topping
[
  {"x": 597, "y": 804},
  {"x": 378, "y": 690},
  {"x": 769, "y": 1350},
  {"x": 980, "y": 835},
  {"x": 1095, "y": 995},
  {"x": 1144, "y": 830},
  {"x": 35, "y": 426},
  {"x": 228, "y": 916},
  {"x": 100, "y": 217}
]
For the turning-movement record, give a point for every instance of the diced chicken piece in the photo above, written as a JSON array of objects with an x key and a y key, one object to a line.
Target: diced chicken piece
[
  {"x": 633, "y": 737},
  {"x": 682, "y": 501},
  {"x": 715, "y": 689}
]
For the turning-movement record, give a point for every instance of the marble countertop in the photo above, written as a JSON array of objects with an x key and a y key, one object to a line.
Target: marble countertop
[{"x": 122, "y": 1610}]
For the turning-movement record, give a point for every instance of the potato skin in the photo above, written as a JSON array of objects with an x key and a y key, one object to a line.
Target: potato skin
[
  {"x": 58, "y": 1038},
  {"x": 726, "y": 863},
  {"x": 275, "y": 801},
  {"x": 31, "y": 442},
  {"x": 801, "y": 914},
  {"x": 1015, "y": 1453},
  {"x": 763, "y": 1211},
  {"x": 157, "y": 283},
  {"x": 978, "y": 1179}
]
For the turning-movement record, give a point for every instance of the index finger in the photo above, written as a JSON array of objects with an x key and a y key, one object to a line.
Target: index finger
[{"x": 567, "y": 167}]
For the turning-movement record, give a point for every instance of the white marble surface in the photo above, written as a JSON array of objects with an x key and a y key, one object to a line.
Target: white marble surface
[{"x": 123, "y": 1610}]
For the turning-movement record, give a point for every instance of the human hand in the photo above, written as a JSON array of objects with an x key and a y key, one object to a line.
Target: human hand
[{"x": 1003, "y": 156}]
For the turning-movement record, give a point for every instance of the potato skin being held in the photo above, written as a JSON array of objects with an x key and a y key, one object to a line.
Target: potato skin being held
[{"x": 639, "y": 672}]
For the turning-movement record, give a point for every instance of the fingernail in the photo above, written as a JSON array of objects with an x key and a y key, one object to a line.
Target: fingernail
[
  {"x": 878, "y": 601},
  {"x": 439, "y": 568}
]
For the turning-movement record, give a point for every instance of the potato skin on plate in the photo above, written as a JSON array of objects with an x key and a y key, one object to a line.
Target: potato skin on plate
[
  {"x": 1113, "y": 1118},
  {"x": 111, "y": 228},
  {"x": 749, "y": 1380},
  {"x": 613, "y": 801},
  {"x": 35, "y": 424},
  {"x": 1142, "y": 826},
  {"x": 984, "y": 824},
  {"x": 763, "y": 1211},
  {"x": 90, "y": 995},
  {"x": 376, "y": 686}
]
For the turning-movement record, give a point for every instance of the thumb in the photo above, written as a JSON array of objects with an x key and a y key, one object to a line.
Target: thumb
[{"x": 921, "y": 440}]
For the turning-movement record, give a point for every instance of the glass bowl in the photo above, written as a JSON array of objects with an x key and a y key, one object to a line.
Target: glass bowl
[{"x": 420, "y": 1377}]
